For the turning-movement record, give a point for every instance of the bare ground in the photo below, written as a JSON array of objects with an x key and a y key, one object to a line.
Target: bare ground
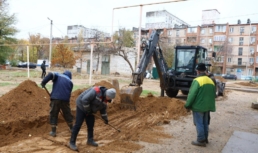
[{"x": 143, "y": 131}]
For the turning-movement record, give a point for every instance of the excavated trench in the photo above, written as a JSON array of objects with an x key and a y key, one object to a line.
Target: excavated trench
[{"x": 24, "y": 123}]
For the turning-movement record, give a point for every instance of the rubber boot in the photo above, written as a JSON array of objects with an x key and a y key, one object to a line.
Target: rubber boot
[
  {"x": 53, "y": 132},
  {"x": 90, "y": 139},
  {"x": 72, "y": 144}
]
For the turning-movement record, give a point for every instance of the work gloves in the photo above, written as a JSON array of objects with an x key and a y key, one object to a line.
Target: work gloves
[
  {"x": 105, "y": 119},
  {"x": 87, "y": 108}
]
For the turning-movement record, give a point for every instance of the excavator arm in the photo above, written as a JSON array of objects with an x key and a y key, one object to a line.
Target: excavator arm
[{"x": 130, "y": 94}]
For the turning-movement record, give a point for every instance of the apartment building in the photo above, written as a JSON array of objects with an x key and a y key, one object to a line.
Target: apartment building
[
  {"x": 235, "y": 45},
  {"x": 162, "y": 19},
  {"x": 74, "y": 31}
]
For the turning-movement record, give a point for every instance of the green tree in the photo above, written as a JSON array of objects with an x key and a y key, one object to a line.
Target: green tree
[{"x": 7, "y": 30}]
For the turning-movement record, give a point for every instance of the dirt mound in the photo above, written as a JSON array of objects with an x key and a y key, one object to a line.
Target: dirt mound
[
  {"x": 27, "y": 101},
  {"x": 250, "y": 84},
  {"x": 220, "y": 78},
  {"x": 24, "y": 111}
]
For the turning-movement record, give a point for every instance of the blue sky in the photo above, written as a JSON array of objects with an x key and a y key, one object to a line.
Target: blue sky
[{"x": 32, "y": 14}]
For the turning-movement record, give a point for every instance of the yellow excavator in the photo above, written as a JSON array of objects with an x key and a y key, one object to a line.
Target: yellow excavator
[{"x": 179, "y": 77}]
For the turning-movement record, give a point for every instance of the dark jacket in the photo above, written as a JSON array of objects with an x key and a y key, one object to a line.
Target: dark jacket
[
  {"x": 62, "y": 85},
  {"x": 93, "y": 100},
  {"x": 43, "y": 66}
]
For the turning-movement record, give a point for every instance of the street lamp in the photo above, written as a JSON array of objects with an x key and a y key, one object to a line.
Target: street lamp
[
  {"x": 141, "y": 5},
  {"x": 50, "y": 44}
]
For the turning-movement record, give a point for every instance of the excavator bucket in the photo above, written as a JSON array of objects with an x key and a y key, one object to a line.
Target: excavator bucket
[{"x": 129, "y": 95}]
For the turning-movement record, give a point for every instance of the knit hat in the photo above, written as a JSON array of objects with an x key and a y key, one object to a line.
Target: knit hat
[
  {"x": 111, "y": 93},
  {"x": 201, "y": 67}
]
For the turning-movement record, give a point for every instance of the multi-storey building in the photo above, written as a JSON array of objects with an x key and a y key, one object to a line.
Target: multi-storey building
[
  {"x": 75, "y": 30},
  {"x": 235, "y": 45},
  {"x": 162, "y": 19}
]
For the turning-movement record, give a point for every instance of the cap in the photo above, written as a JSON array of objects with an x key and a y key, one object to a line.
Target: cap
[
  {"x": 68, "y": 73},
  {"x": 111, "y": 93},
  {"x": 201, "y": 67}
]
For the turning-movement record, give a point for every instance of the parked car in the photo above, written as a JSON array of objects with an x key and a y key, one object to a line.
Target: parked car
[
  {"x": 24, "y": 65},
  {"x": 230, "y": 76}
]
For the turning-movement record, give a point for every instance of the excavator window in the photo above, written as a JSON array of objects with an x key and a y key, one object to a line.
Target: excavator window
[{"x": 185, "y": 60}]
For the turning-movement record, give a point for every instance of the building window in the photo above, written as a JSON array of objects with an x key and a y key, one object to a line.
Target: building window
[
  {"x": 257, "y": 59},
  {"x": 230, "y": 40},
  {"x": 211, "y": 31},
  {"x": 241, "y": 41},
  {"x": 217, "y": 48},
  {"x": 202, "y": 31},
  {"x": 252, "y": 41},
  {"x": 242, "y": 30},
  {"x": 219, "y": 38},
  {"x": 239, "y": 61},
  {"x": 202, "y": 41},
  {"x": 220, "y": 28},
  {"x": 251, "y": 60},
  {"x": 240, "y": 51},
  {"x": 191, "y": 30},
  {"x": 231, "y": 29},
  {"x": 210, "y": 41},
  {"x": 251, "y": 50},
  {"x": 253, "y": 30},
  {"x": 229, "y": 60},
  {"x": 177, "y": 33}
]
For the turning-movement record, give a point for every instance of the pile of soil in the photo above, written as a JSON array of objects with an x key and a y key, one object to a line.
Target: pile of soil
[
  {"x": 249, "y": 84},
  {"x": 24, "y": 111}
]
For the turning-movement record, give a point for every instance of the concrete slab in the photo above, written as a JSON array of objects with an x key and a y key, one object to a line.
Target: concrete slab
[{"x": 242, "y": 142}]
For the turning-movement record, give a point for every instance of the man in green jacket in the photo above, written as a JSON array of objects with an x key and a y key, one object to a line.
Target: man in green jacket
[{"x": 201, "y": 100}]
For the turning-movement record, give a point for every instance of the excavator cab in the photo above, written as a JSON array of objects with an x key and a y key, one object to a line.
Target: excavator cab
[{"x": 187, "y": 58}]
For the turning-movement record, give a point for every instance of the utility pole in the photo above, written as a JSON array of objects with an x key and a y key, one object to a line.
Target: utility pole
[
  {"x": 50, "y": 44},
  {"x": 248, "y": 48}
]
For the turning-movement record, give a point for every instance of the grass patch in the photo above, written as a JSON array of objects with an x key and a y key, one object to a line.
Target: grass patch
[
  {"x": 145, "y": 93},
  {"x": 6, "y": 84}
]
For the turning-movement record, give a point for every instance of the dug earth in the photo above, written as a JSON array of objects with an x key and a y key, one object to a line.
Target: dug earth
[{"x": 159, "y": 124}]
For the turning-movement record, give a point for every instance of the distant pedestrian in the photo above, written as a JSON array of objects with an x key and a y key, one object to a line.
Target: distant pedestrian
[
  {"x": 88, "y": 103},
  {"x": 201, "y": 100},
  {"x": 60, "y": 98},
  {"x": 43, "y": 68}
]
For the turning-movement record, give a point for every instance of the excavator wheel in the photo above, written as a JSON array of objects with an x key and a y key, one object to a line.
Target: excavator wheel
[
  {"x": 129, "y": 95},
  {"x": 171, "y": 93},
  {"x": 184, "y": 92}
]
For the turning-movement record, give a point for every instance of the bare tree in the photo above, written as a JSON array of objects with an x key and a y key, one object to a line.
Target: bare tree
[{"x": 123, "y": 39}]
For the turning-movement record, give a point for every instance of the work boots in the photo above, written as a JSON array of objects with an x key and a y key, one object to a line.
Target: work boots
[
  {"x": 197, "y": 143},
  {"x": 90, "y": 139},
  {"x": 92, "y": 142},
  {"x": 53, "y": 132},
  {"x": 72, "y": 144}
]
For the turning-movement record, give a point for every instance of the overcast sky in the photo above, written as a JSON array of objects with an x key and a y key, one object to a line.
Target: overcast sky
[{"x": 32, "y": 15}]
